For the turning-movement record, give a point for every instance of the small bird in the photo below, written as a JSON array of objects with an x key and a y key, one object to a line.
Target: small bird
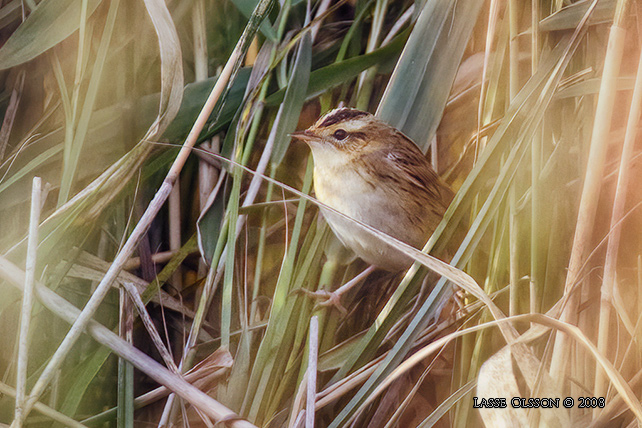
[{"x": 372, "y": 172}]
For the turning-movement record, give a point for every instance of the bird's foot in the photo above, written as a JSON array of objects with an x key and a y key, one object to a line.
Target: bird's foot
[
  {"x": 459, "y": 309},
  {"x": 325, "y": 298},
  {"x": 460, "y": 299},
  {"x": 333, "y": 298}
]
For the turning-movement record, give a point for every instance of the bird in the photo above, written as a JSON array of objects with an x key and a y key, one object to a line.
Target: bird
[{"x": 372, "y": 172}]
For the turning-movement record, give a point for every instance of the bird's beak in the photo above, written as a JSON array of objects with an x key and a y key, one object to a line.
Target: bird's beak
[{"x": 304, "y": 136}]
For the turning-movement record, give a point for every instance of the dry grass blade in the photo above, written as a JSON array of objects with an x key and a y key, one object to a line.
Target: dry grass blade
[
  {"x": 593, "y": 179},
  {"x": 616, "y": 378},
  {"x": 440, "y": 411},
  {"x": 69, "y": 313},
  {"x": 27, "y": 301},
  {"x": 171, "y": 67},
  {"x": 616, "y": 227},
  {"x": 149, "y": 325},
  {"x": 145, "y": 221},
  {"x": 313, "y": 355},
  {"x": 44, "y": 409},
  {"x": 511, "y": 136},
  {"x": 205, "y": 375}
]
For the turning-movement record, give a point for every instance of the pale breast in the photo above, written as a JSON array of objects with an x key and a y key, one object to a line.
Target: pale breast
[{"x": 350, "y": 194}]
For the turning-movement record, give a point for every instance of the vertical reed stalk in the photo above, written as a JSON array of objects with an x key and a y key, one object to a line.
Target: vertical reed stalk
[
  {"x": 27, "y": 303},
  {"x": 536, "y": 153},
  {"x": 592, "y": 185},
  {"x": 367, "y": 77},
  {"x": 174, "y": 204},
  {"x": 608, "y": 283},
  {"x": 207, "y": 174},
  {"x": 513, "y": 229},
  {"x": 313, "y": 356},
  {"x": 125, "y": 408}
]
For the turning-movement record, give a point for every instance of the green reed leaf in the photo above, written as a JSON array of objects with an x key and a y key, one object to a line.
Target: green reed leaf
[
  {"x": 416, "y": 95},
  {"x": 51, "y": 23},
  {"x": 295, "y": 94}
]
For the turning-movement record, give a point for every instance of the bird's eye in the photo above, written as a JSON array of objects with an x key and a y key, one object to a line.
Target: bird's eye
[{"x": 340, "y": 134}]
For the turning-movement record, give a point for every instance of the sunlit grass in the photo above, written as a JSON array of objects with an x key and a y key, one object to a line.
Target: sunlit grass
[{"x": 525, "y": 108}]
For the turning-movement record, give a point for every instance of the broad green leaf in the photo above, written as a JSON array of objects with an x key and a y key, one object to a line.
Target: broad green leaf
[
  {"x": 51, "y": 23},
  {"x": 209, "y": 224},
  {"x": 84, "y": 374},
  {"x": 193, "y": 99},
  {"x": 339, "y": 73},
  {"x": 418, "y": 90}
]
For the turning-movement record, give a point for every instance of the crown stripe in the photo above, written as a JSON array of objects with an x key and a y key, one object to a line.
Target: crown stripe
[{"x": 340, "y": 116}]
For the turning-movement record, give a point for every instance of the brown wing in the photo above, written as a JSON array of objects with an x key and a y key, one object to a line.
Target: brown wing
[{"x": 415, "y": 174}]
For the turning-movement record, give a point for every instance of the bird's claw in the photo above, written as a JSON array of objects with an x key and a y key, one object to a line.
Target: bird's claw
[
  {"x": 325, "y": 298},
  {"x": 459, "y": 309},
  {"x": 453, "y": 308}
]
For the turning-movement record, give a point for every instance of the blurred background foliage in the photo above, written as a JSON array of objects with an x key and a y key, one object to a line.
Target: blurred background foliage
[{"x": 96, "y": 98}]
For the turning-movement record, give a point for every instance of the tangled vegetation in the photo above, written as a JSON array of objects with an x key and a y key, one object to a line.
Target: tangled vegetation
[{"x": 152, "y": 195}]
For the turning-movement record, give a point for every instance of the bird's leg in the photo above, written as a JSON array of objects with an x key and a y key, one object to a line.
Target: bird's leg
[
  {"x": 454, "y": 308},
  {"x": 460, "y": 301},
  {"x": 327, "y": 298}
]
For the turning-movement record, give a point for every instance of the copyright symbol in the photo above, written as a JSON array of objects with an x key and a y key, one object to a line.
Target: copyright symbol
[{"x": 568, "y": 402}]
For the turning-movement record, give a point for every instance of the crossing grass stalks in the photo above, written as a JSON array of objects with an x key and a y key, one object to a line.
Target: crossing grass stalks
[{"x": 529, "y": 110}]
